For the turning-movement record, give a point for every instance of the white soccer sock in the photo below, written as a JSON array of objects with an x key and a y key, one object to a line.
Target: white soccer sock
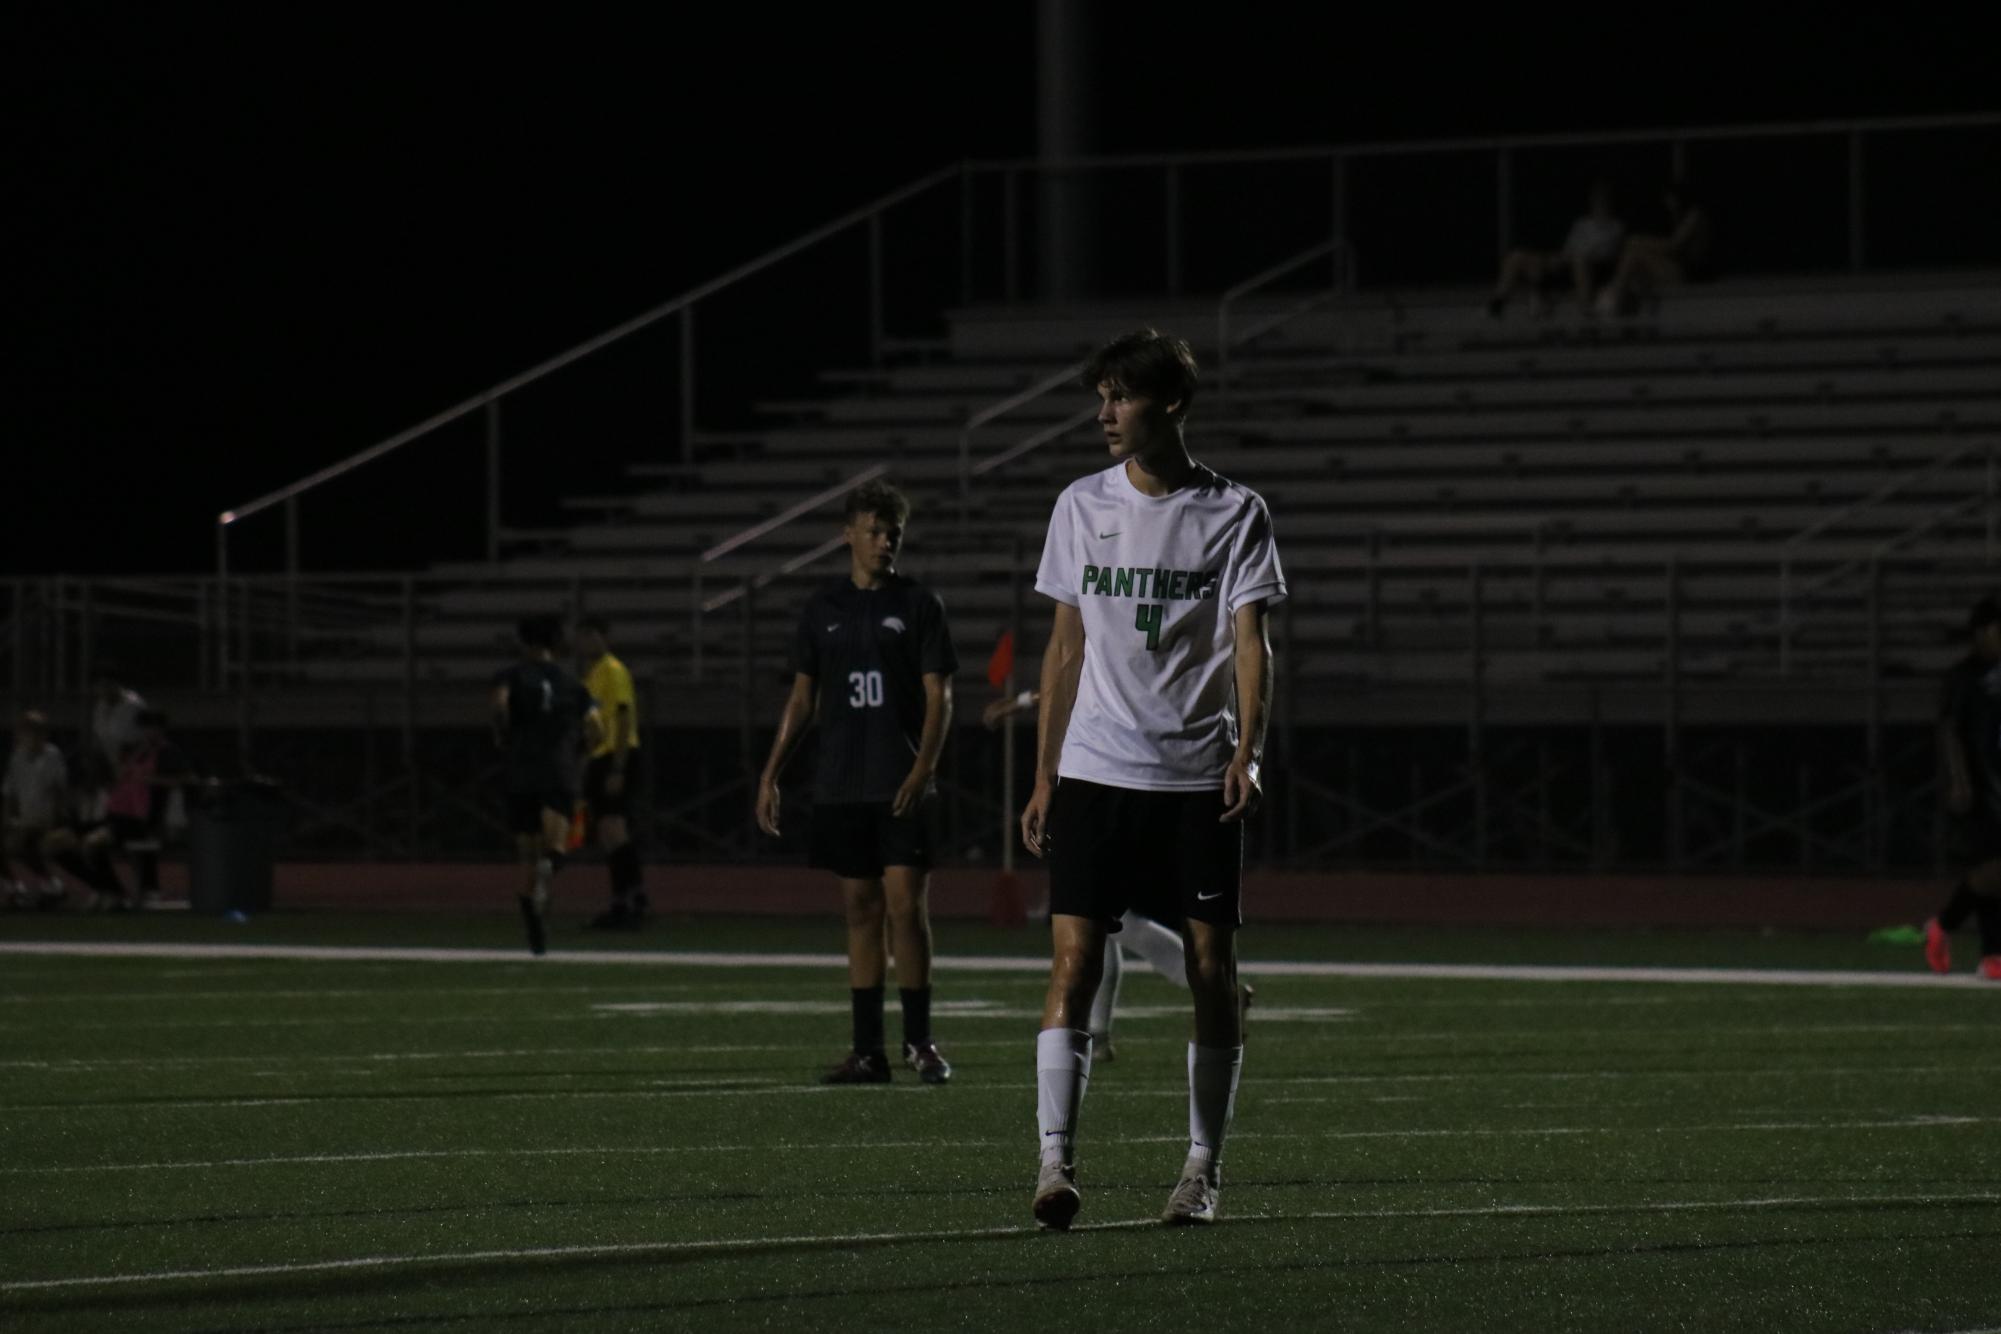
[
  {"x": 1107, "y": 1000},
  {"x": 1158, "y": 945},
  {"x": 1212, "y": 1099},
  {"x": 1062, "y": 1070}
]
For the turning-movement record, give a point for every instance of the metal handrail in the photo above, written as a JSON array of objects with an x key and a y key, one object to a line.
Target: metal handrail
[
  {"x": 785, "y": 517},
  {"x": 698, "y": 607},
  {"x": 1068, "y": 375},
  {"x": 1785, "y": 621},
  {"x": 997, "y": 409},
  {"x": 640, "y": 321},
  {"x": 1491, "y": 143},
  {"x": 1344, "y": 278},
  {"x": 1035, "y": 441}
]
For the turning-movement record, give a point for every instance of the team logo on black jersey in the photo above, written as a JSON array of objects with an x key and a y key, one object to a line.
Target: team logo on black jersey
[{"x": 893, "y": 623}]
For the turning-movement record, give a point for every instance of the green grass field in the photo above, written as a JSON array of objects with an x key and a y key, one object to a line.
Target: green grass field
[{"x": 193, "y": 1143}]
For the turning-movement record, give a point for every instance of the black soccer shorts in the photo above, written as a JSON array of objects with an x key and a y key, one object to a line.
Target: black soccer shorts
[
  {"x": 524, "y": 809},
  {"x": 856, "y": 840},
  {"x": 1166, "y": 855},
  {"x": 1974, "y": 839}
]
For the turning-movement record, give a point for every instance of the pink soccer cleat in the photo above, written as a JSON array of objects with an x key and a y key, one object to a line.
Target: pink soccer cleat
[{"x": 1938, "y": 947}]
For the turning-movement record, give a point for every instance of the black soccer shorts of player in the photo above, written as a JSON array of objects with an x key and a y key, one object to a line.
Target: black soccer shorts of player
[
  {"x": 1974, "y": 839},
  {"x": 856, "y": 840},
  {"x": 603, "y": 803},
  {"x": 524, "y": 809},
  {"x": 1166, "y": 855}
]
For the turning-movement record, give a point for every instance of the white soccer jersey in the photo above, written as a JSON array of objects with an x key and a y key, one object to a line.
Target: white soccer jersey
[{"x": 1158, "y": 581}]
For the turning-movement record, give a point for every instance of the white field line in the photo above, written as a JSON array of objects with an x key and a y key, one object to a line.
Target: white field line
[
  {"x": 256, "y": 993},
  {"x": 1013, "y": 964},
  {"x": 772, "y": 1088},
  {"x": 595, "y": 1151},
  {"x": 961, "y": 1010},
  {"x": 1527, "y": 1132},
  {"x": 862, "y": 1239},
  {"x": 87, "y": 1063}
]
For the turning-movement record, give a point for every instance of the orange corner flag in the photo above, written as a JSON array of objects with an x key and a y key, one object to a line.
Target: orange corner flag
[{"x": 1001, "y": 665}]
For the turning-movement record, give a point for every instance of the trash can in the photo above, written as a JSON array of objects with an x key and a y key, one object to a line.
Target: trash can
[{"x": 233, "y": 834}]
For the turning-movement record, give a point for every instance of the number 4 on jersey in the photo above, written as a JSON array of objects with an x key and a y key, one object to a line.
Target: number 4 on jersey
[{"x": 1147, "y": 620}]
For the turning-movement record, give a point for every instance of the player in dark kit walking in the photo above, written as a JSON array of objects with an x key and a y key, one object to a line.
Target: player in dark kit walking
[
  {"x": 542, "y": 720},
  {"x": 1969, "y": 742},
  {"x": 873, "y": 662}
]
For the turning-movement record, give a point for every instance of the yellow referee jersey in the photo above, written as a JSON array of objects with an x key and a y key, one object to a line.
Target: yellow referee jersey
[{"x": 610, "y": 685}]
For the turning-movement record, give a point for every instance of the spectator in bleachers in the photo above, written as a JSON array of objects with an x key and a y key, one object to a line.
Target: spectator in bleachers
[
  {"x": 1648, "y": 263},
  {"x": 146, "y": 804},
  {"x": 1586, "y": 259},
  {"x": 36, "y": 800}
]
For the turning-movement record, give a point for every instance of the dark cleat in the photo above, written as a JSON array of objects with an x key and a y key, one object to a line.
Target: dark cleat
[
  {"x": 859, "y": 1068},
  {"x": 929, "y": 1063}
]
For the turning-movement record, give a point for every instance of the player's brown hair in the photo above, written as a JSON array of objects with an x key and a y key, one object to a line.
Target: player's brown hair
[
  {"x": 1148, "y": 362},
  {"x": 878, "y": 499}
]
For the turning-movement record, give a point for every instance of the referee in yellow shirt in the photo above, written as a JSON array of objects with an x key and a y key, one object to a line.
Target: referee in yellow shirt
[{"x": 611, "y": 779}]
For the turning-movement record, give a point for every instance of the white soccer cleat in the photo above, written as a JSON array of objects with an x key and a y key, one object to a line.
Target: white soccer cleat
[
  {"x": 1194, "y": 1199},
  {"x": 1056, "y": 1197}
]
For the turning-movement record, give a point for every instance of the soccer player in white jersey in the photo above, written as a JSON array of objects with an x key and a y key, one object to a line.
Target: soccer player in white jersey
[{"x": 1155, "y": 690}]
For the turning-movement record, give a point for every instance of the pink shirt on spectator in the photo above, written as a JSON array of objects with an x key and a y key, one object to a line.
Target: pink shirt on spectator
[{"x": 132, "y": 794}]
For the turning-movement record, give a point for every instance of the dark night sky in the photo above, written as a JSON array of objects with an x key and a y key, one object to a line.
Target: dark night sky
[{"x": 243, "y": 244}]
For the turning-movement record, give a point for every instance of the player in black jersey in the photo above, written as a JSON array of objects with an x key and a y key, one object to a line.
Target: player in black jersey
[
  {"x": 1969, "y": 742},
  {"x": 873, "y": 663},
  {"x": 542, "y": 719}
]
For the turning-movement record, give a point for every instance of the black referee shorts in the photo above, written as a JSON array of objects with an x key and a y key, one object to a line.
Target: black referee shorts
[
  {"x": 1166, "y": 855},
  {"x": 603, "y": 803},
  {"x": 857, "y": 840}
]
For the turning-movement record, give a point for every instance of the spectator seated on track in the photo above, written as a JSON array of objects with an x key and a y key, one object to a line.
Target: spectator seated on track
[
  {"x": 1684, "y": 254},
  {"x": 1587, "y": 259},
  {"x": 146, "y": 805},
  {"x": 36, "y": 800}
]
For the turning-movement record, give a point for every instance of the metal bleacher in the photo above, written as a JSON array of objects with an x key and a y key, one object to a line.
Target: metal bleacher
[{"x": 1598, "y": 496}]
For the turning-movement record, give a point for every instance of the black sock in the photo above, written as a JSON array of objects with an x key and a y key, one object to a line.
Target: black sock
[
  {"x": 626, "y": 877},
  {"x": 538, "y": 936},
  {"x": 916, "y": 1014},
  {"x": 868, "y": 1019},
  {"x": 1957, "y": 908},
  {"x": 1987, "y": 909}
]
